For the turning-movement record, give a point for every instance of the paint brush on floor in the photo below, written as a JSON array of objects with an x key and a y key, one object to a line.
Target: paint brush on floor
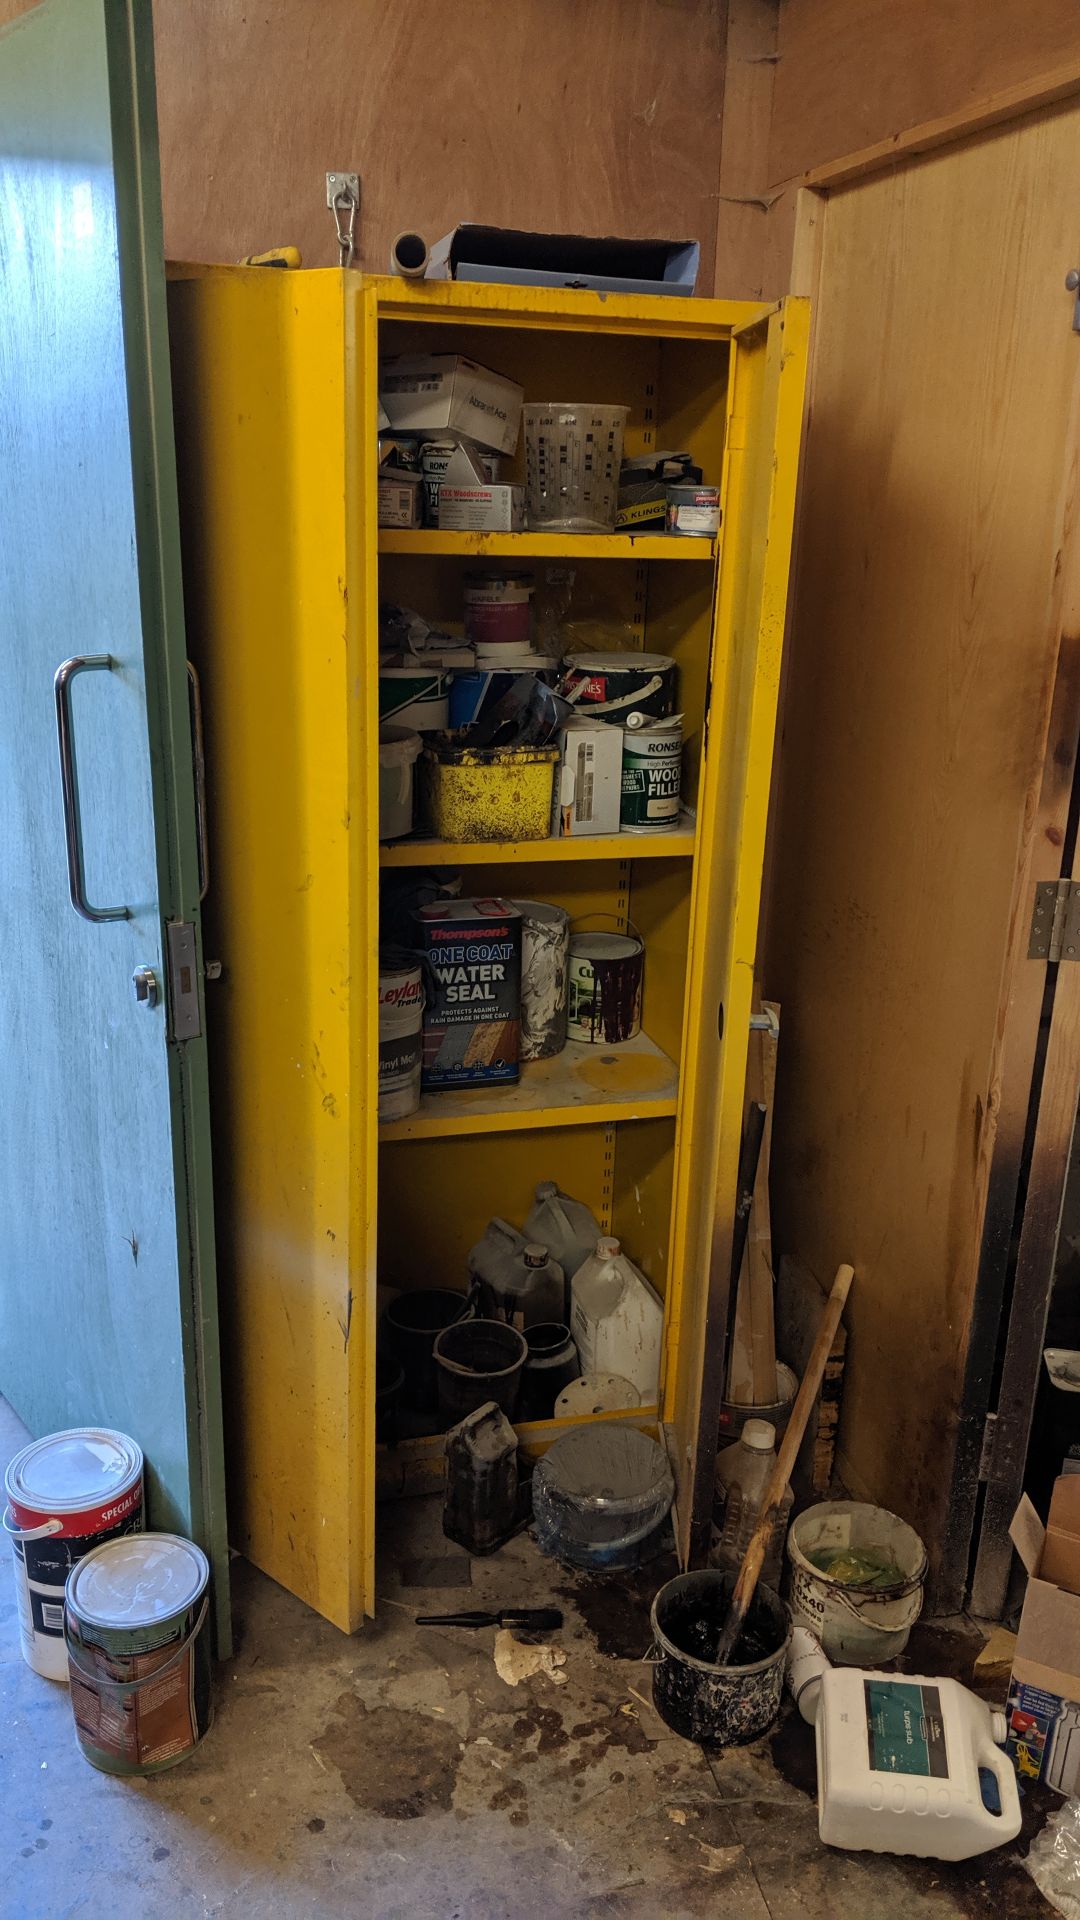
[{"x": 529, "y": 1619}]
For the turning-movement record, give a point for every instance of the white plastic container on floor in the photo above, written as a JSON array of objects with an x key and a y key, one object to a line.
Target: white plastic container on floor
[
  {"x": 910, "y": 1764},
  {"x": 742, "y": 1475},
  {"x": 617, "y": 1320},
  {"x": 566, "y": 1227}
]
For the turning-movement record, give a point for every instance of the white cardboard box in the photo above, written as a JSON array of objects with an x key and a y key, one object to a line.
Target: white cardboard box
[
  {"x": 430, "y": 392},
  {"x": 496, "y": 509},
  {"x": 399, "y": 499},
  {"x": 588, "y": 792}
]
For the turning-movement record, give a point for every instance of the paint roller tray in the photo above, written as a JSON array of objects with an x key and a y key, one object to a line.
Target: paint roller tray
[{"x": 601, "y": 1497}]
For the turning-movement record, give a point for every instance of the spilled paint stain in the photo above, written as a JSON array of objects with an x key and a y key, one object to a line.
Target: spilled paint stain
[{"x": 393, "y": 1761}]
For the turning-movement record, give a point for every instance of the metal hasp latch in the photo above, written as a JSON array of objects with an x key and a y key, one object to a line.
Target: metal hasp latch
[
  {"x": 1055, "y": 923},
  {"x": 183, "y": 980},
  {"x": 343, "y": 199}
]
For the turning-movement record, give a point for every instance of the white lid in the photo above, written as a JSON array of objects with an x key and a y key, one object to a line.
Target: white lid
[
  {"x": 83, "y": 1467},
  {"x": 535, "y": 1256},
  {"x": 608, "y": 1246},
  {"x": 629, "y": 662},
  {"x": 759, "y": 1434},
  {"x": 137, "y": 1580}
]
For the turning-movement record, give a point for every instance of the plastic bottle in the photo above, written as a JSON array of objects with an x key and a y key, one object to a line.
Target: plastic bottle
[
  {"x": 617, "y": 1320},
  {"x": 742, "y": 1475},
  {"x": 566, "y": 1227},
  {"x": 518, "y": 1279}
]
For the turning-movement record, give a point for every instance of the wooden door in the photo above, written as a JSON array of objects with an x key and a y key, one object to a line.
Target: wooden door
[
  {"x": 107, "y": 1307},
  {"x": 922, "y": 793}
]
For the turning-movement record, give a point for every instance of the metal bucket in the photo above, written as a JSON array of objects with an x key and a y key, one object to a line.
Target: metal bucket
[
  {"x": 857, "y": 1626},
  {"x": 718, "y": 1706},
  {"x": 413, "y": 1322},
  {"x": 606, "y": 976},
  {"x": 545, "y": 951}
]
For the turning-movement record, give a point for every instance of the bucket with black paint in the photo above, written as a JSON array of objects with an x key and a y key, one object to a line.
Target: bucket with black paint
[
  {"x": 717, "y": 1706},
  {"x": 651, "y": 774},
  {"x": 401, "y": 1015},
  {"x": 136, "y": 1624},
  {"x": 606, "y": 974},
  {"x": 66, "y": 1494},
  {"x": 477, "y": 1361},
  {"x": 545, "y": 954}
]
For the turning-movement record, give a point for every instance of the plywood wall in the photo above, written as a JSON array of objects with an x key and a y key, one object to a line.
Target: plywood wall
[{"x": 601, "y": 117}]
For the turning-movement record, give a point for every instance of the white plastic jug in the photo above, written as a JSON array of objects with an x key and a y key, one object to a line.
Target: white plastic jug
[
  {"x": 742, "y": 1475},
  {"x": 909, "y": 1764},
  {"x": 617, "y": 1320},
  {"x": 519, "y": 1280},
  {"x": 566, "y": 1227}
]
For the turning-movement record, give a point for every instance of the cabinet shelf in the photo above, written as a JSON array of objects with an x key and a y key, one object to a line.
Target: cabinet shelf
[
  {"x": 582, "y": 1086},
  {"x": 600, "y": 846},
  {"x": 540, "y": 546}
]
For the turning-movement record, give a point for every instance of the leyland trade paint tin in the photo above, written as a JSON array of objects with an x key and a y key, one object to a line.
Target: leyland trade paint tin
[
  {"x": 651, "y": 775},
  {"x": 401, "y": 1014},
  {"x": 138, "y": 1648},
  {"x": 605, "y": 981},
  {"x": 66, "y": 1494}
]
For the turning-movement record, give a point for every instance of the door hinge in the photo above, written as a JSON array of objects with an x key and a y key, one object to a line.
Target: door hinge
[
  {"x": 987, "y": 1451},
  {"x": 1055, "y": 922},
  {"x": 183, "y": 970}
]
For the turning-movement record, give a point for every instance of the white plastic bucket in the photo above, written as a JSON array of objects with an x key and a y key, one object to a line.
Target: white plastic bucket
[
  {"x": 66, "y": 1494},
  {"x": 399, "y": 750},
  {"x": 401, "y": 1014},
  {"x": 857, "y": 1626}
]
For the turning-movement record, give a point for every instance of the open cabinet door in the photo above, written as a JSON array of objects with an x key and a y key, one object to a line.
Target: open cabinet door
[
  {"x": 765, "y": 401},
  {"x": 107, "y": 1304}
]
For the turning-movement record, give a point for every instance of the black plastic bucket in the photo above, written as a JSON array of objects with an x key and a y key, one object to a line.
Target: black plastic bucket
[
  {"x": 717, "y": 1706},
  {"x": 552, "y": 1364},
  {"x": 477, "y": 1361},
  {"x": 413, "y": 1321}
]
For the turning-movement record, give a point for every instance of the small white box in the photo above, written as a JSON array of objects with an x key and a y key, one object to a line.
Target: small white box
[
  {"x": 429, "y": 392},
  {"x": 495, "y": 509},
  {"x": 588, "y": 792},
  {"x": 399, "y": 499}
]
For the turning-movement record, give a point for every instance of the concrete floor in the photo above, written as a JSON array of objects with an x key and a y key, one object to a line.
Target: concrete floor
[{"x": 397, "y": 1774}]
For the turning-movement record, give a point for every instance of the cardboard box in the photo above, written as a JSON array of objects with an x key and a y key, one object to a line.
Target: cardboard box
[
  {"x": 436, "y": 392},
  {"x": 1044, "y": 1692},
  {"x": 507, "y": 254},
  {"x": 588, "y": 790},
  {"x": 482, "y": 509},
  {"x": 399, "y": 498}
]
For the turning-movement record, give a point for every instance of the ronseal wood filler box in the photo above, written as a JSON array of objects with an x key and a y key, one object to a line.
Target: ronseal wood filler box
[{"x": 472, "y": 978}]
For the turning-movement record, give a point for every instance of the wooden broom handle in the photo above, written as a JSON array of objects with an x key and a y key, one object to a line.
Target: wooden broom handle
[{"x": 753, "y": 1559}]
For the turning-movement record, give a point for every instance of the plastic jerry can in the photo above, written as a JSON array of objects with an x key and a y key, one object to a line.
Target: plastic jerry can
[
  {"x": 481, "y": 1501},
  {"x": 617, "y": 1320},
  {"x": 742, "y": 1475},
  {"x": 908, "y": 1764},
  {"x": 518, "y": 1279},
  {"x": 566, "y": 1227}
]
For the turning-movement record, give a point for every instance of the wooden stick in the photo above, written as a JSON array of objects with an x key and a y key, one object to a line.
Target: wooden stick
[{"x": 753, "y": 1559}]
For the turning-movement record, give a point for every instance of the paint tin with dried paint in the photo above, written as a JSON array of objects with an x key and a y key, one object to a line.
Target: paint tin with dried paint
[
  {"x": 615, "y": 685},
  {"x": 606, "y": 973},
  {"x": 545, "y": 952},
  {"x": 66, "y": 1494},
  {"x": 401, "y": 1018},
  {"x": 694, "y": 510},
  {"x": 651, "y": 775},
  {"x": 138, "y": 1646}
]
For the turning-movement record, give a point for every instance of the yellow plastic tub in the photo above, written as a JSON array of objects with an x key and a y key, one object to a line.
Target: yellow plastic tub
[{"x": 489, "y": 793}]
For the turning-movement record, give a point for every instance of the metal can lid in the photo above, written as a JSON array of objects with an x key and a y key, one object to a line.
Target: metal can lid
[
  {"x": 81, "y": 1467},
  {"x": 603, "y": 946},
  {"x": 628, "y": 662},
  {"x": 137, "y": 1580}
]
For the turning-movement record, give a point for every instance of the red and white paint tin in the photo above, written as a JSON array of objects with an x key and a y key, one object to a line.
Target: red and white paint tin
[
  {"x": 401, "y": 1014},
  {"x": 66, "y": 1494}
]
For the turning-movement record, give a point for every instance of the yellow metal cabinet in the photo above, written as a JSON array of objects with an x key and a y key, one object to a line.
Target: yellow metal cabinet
[{"x": 276, "y": 383}]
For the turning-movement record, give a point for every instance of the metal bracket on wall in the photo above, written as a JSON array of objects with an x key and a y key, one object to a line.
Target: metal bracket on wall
[
  {"x": 343, "y": 199},
  {"x": 1055, "y": 922}
]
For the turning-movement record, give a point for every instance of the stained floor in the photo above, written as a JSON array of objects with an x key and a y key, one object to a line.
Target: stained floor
[{"x": 400, "y": 1774}]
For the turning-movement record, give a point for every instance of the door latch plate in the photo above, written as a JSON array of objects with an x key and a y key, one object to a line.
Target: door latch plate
[{"x": 183, "y": 980}]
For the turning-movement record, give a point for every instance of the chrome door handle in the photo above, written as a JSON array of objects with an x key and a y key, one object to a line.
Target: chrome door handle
[
  {"x": 62, "y": 679},
  {"x": 198, "y": 755}
]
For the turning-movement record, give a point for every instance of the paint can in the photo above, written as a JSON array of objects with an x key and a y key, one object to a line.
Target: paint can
[
  {"x": 545, "y": 952},
  {"x": 136, "y": 1624},
  {"x": 415, "y": 696},
  {"x": 618, "y": 684},
  {"x": 651, "y": 775},
  {"x": 401, "y": 1017},
  {"x": 399, "y": 750},
  {"x": 497, "y": 608},
  {"x": 66, "y": 1494},
  {"x": 606, "y": 972},
  {"x": 694, "y": 511},
  {"x": 719, "y": 1706}
]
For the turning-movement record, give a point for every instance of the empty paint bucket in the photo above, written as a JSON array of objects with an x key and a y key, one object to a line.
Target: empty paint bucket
[
  {"x": 545, "y": 952},
  {"x": 399, "y": 749},
  {"x": 138, "y": 1647},
  {"x": 718, "y": 1706},
  {"x": 497, "y": 608},
  {"x": 413, "y": 1321},
  {"x": 477, "y": 1361},
  {"x": 66, "y": 1495},
  {"x": 606, "y": 973},
  {"x": 651, "y": 774},
  {"x": 859, "y": 1624},
  {"x": 401, "y": 1015}
]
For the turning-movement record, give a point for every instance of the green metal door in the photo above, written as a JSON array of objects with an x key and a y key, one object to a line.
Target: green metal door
[{"x": 108, "y": 1308}]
